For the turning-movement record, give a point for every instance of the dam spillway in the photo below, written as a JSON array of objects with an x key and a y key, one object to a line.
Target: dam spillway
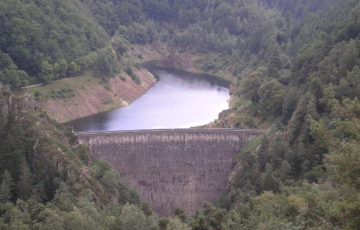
[{"x": 172, "y": 168}]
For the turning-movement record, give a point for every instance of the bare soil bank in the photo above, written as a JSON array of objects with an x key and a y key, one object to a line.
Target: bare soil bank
[
  {"x": 89, "y": 95},
  {"x": 161, "y": 55},
  {"x": 164, "y": 56}
]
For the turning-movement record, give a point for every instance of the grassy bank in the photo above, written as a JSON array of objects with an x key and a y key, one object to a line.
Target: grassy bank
[
  {"x": 64, "y": 88},
  {"x": 72, "y": 98}
]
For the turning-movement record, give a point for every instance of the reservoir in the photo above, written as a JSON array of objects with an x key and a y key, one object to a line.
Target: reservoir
[{"x": 177, "y": 100}]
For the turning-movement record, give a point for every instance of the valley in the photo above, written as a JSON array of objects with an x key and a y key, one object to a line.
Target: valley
[{"x": 289, "y": 68}]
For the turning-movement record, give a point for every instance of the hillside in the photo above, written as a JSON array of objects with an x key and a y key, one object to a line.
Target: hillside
[
  {"x": 295, "y": 68},
  {"x": 72, "y": 98},
  {"x": 49, "y": 181}
]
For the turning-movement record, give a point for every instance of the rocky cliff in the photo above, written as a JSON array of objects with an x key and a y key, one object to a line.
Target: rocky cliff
[{"x": 12, "y": 107}]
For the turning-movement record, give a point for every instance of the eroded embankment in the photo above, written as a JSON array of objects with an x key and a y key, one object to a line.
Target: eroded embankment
[
  {"x": 162, "y": 55},
  {"x": 72, "y": 98}
]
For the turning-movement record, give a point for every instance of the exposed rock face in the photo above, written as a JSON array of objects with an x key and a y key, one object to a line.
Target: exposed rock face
[
  {"x": 172, "y": 168},
  {"x": 11, "y": 106}
]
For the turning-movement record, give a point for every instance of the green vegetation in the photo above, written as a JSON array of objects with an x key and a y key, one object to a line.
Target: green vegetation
[
  {"x": 297, "y": 178},
  {"x": 297, "y": 67},
  {"x": 62, "y": 93},
  {"x": 46, "y": 40},
  {"x": 62, "y": 89},
  {"x": 272, "y": 189},
  {"x": 133, "y": 75},
  {"x": 49, "y": 181}
]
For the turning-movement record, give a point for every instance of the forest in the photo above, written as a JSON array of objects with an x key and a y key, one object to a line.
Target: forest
[{"x": 296, "y": 68}]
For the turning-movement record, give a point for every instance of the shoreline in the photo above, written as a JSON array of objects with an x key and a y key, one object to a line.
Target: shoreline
[
  {"x": 213, "y": 80},
  {"x": 82, "y": 96},
  {"x": 91, "y": 96}
]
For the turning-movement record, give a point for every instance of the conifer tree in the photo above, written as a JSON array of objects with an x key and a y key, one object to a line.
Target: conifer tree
[
  {"x": 274, "y": 64},
  {"x": 6, "y": 187},
  {"x": 24, "y": 187}
]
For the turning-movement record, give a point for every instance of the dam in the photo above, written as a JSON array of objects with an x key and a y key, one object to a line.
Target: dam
[{"x": 172, "y": 168}]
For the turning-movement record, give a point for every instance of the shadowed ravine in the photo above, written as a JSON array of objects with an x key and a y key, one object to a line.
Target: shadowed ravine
[{"x": 175, "y": 167}]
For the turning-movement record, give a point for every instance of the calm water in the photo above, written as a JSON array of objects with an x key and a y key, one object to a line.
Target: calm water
[{"x": 175, "y": 101}]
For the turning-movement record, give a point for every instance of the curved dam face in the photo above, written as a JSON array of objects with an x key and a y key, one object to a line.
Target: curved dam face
[{"x": 175, "y": 168}]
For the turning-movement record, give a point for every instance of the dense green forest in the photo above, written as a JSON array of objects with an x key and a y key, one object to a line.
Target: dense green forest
[
  {"x": 296, "y": 65},
  {"x": 49, "y": 181}
]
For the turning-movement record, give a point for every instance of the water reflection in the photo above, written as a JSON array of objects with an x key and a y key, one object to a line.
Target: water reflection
[{"x": 175, "y": 101}]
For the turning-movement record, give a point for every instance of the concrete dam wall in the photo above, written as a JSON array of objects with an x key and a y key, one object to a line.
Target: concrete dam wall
[{"x": 172, "y": 168}]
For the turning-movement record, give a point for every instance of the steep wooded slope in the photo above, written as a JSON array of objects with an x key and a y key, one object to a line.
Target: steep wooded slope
[{"x": 297, "y": 68}]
